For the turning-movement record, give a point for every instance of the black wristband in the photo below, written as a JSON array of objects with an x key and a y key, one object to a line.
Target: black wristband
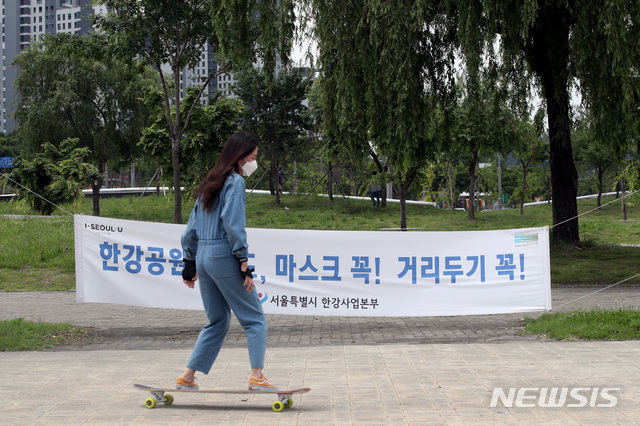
[
  {"x": 242, "y": 259},
  {"x": 189, "y": 270},
  {"x": 247, "y": 273}
]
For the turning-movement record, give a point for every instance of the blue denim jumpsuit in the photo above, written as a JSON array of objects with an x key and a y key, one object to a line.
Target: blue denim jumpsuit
[{"x": 216, "y": 239}]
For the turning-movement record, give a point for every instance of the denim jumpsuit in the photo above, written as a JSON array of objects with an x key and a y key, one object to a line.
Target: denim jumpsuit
[{"x": 216, "y": 239}]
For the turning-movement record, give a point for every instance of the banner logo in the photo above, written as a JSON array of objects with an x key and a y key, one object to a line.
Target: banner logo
[
  {"x": 103, "y": 228},
  {"x": 526, "y": 240}
]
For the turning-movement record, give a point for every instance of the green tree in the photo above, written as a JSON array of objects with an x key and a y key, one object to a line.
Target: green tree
[
  {"x": 593, "y": 153},
  {"x": 211, "y": 125},
  {"x": 54, "y": 176},
  {"x": 175, "y": 32},
  {"x": 10, "y": 145},
  {"x": 276, "y": 113},
  {"x": 529, "y": 147},
  {"x": 76, "y": 86},
  {"x": 386, "y": 66},
  {"x": 482, "y": 123},
  {"x": 552, "y": 39}
]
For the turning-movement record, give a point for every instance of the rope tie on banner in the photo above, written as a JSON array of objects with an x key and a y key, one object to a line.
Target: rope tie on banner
[
  {"x": 590, "y": 211},
  {"x": 37, "y": 195}
]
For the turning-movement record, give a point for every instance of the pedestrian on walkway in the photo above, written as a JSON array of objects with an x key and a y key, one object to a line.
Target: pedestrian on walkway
[
  {"x": 375, "y": 190},
  {"x": 216, "y": 250}
]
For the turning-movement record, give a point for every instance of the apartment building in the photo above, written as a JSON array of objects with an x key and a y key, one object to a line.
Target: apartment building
[{"x": 24, "y": 21}]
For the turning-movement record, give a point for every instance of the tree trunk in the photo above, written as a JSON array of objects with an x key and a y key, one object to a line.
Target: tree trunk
[
  {"x": 472, "y": 183},
  {"x": 600, "y": 185},
  {"x": 95, "y": 193},
  {"x": 499, "y": 181},
  {"x": 564, "y": 176},
  {"x": 158, "y": 182},
  {"x": 330, "y": 181},
  {"x": 276, "y": 179},
  {"x": 176, "y": 138},
  {"x": 95, "y": 189},
  {"x": 177, "y": 193},
  {"x": 403, "y": 205},
  {"x": 549, "y": 55},
  {"x": 624, "y": 201},
  {"x": 524, "y": 187},
  {"x": 383, "y": 198}
]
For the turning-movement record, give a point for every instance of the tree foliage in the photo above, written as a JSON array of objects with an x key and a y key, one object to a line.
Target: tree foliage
[
  {"x": 164, "y": 32},
  {"x": 600, "y": 155},
  {"x": 277, "y": 114},
  {"x": 174, "y": 33},
  {"x": 54, "y": 176},
  {"x": 529, "y": 146},
  {"x": 10, "y": 145},
  {"x": 211, "y": 125},
  {"x": 482, "y": 124},
  {"x": 386, "y": 67},
  {"x": 76, "y": 86},
  {"x": 556, "y": 41}
]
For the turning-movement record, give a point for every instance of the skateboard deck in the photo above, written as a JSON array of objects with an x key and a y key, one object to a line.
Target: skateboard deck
[{"x": 160, "y": 395}]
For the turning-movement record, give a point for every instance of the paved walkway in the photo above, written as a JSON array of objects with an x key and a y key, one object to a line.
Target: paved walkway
[{"x": 440, "y": 370}]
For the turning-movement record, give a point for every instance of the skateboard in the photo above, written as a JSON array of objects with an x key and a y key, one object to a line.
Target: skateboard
[{"x": 161, "y": 395}]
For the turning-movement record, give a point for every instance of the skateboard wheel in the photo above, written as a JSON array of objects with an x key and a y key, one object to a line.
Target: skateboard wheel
[
  {"x": 150, "y": 402},
  {"x": 168, "y": 399},
  {"x": 278, "y": 406},
  {"x": 288, "y": 403}
]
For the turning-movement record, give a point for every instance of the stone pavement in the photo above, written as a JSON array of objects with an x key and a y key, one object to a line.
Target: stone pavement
[{"x": 427, "y": 370}]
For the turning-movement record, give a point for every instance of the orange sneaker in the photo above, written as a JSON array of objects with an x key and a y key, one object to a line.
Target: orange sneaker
[
  {"x": 261, "y": 384},
  {"x": 181, "y": 383}
]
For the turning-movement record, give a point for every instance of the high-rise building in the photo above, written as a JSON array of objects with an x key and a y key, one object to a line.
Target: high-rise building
[
  {"x": 198, "y": 75},
  {"x": 24, "y": 21}
]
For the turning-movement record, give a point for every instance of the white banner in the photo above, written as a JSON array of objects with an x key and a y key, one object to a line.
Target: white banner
[{"x": 345, "y": 273}]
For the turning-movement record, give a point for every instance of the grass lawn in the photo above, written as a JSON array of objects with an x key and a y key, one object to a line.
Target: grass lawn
[
  {"x": 597, "y": 324},
  {"x": 21, "y": 335}
]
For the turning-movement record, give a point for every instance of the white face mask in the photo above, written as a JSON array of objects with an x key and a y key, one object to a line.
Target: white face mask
[{"x": 249, "y": 167}]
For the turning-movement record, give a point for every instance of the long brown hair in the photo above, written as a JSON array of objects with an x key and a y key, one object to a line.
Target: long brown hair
[{"x": 238, "y": 146}]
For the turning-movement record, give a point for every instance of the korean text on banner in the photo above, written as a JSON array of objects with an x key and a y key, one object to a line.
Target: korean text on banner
[{"x": 346, "y": 273}]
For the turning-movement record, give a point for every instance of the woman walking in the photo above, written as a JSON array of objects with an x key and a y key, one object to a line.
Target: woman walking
[{"x": 215, "y": 248}]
